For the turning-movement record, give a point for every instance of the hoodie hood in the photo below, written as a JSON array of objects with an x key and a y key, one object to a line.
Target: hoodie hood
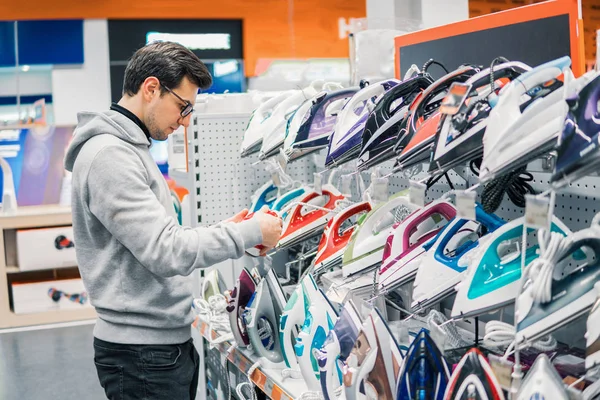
[{"x": 90, "y": 124}]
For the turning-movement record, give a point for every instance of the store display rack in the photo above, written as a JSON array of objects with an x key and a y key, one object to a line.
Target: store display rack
[{"x": 269, "y": 380}]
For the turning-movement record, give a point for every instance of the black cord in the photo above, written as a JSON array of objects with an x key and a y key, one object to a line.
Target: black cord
[
  {"x": 515, "y": 184},
  {"x": 496, "y": 60},
  {"x": 432, "y": 62}
]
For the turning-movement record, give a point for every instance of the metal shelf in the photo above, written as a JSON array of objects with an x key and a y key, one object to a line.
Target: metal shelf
[{"x": 269, "y": 380}]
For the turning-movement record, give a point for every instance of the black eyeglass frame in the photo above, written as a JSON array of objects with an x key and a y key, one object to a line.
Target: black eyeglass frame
[{"x": 187, "y": 109}]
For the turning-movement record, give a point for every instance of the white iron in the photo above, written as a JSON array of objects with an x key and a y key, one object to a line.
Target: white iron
[
  {"x": 274, "y": 128},
  {"x": 517, "y": 133},
  {"x": 255, "y": 131},
  {"x": 406, "y": 245},
  {"x": 213, "y": 284},
  {"x": 592, "y": 336},
  {"x": 542, "y": 382},
  {"x": 492, "y": 278},
  {"x": 443, "y": 265},
  {"x": 365, "y": 249}
]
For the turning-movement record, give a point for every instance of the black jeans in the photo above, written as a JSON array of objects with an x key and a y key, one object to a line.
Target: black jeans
[{"x": 147, "y": 371}]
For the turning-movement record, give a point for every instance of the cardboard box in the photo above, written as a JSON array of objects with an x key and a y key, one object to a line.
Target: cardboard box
[{"x": 45, "y": 248}]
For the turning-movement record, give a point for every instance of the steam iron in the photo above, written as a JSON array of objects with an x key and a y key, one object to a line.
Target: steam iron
[
  {"x": 542, "y": 382},
  {"x": 406, "y": 245},
  {"x": 336, "y": 349},
  {"x": 460, "y": 135},
  {"x": 320, "y": 319},
  {"x": 492, "y": 278},
  {"x": 264, "y": 196},
  {"x": 315, "y": 130},
  {"x": 305, "y": 222},
  {"x": 253, "y": 137},
  {"x": 424, "y": 116},
  {"x": 425, "y": 372},
  {"x": 275, "y": 126},
  {"x": 549, "y": 301},
  {"x": 293, "y": 316},
  {"x": 374, "y": 363},
  {"x": 441, "y": 267},
  {"x": 262, "y": 316},
  {"x": 388, "y": 119},
  {"x": 239, "y": 298},
  {"x": 592, "y": 336},
  {"x": 336, "y": 237},
  {"x": 213, "y": 284},
  {"x": 365, "y": 248},
  {"x": 344, "y": 144},
  {"x": 516, "y": 135},
  {"x": 473, "y": 379},
  {"x": 578, "y": 143}
]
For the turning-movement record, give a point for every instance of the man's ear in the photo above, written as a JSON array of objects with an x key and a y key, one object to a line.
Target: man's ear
[{"x": 150, "y": 88}]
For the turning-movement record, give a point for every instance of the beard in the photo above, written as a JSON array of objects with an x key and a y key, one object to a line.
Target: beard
[{"x": 155, "y": 132}]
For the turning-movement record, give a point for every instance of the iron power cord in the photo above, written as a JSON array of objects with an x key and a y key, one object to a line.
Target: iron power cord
[
  {"x": 430, "y": 62},
  {"x": 496, "y": 60},
  {"x": 515, "y": 184}
]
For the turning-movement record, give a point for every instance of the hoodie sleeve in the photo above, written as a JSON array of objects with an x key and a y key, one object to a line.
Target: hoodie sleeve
[{"x": 121, "y": 199}]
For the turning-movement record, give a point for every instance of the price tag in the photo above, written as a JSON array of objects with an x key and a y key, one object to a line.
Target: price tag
[
  {"x": 337, "y": 294},
  {"x": 455, "y": 98},
  {"x": 502, "y": 369},
  {"x": 380, "y": 190},
  {"x": 465, "y": 205},
  {"x": 276, "y": 179},
  {"x": 537, "y": 212},
  {"x": 416, "y": 193},
  {"x": 346, "y": 183},
  {"x": 317, "y": 183}
]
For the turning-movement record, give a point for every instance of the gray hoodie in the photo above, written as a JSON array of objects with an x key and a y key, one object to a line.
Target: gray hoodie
[{"x": 134, "y": 259}]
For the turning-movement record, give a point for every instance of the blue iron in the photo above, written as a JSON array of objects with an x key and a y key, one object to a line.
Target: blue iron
[
  {"x": 336, "y": 348},
  {"x": 344, "y": 144},
  {"x": 440, "y": 268},
  {"x": 264, "y": 196},
  {"x": 288, "y": 198},
  {"x": 425, "y": 372},
  {"x": 492, "y": 278},
  {"x": 374, "y": 363},
  {"x": 578, "y": 143}
]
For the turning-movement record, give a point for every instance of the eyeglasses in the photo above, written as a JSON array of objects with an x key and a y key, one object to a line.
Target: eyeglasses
[{"x": 185, "y": 110}]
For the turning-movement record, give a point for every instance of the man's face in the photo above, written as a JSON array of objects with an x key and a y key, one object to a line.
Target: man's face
[{"x": 164, "y": 111}]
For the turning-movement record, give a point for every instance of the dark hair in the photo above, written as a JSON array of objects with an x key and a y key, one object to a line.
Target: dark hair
[{"x": 167, "y": 61}]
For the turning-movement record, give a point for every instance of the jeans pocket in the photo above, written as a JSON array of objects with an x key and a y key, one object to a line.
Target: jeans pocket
[
  {"x": 161, "y": 360},
  {"x": 111, "y": 380}
]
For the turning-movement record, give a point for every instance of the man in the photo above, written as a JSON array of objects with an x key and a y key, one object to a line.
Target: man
[{"x": 134, "y": 259}]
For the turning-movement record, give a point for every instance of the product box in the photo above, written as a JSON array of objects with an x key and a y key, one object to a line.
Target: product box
[
  {"x": 37, "y": 297},
  {"x": 45, "y": 248}
]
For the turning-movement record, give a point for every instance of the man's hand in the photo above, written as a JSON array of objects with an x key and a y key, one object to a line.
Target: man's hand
[
  {"x": 239, "y": 217},
  {"x": 270, "y": 227}
]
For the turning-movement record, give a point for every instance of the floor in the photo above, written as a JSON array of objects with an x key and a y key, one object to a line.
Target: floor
[{"x": 52, "y": 363}]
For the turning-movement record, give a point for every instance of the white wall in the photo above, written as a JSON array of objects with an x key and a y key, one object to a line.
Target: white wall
[
  {"x": 85, "y": 88},
  {"x": 37, "y": 80},
  {"x": 388, "y": 14},
  {"x": 442, "y": 12}
]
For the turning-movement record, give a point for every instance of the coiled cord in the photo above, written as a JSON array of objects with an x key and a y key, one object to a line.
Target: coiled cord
[
  {"x": 430, "y": 62},
  {"x": 497, "y": 60},
  {"x": 515, "y": 184},
  {"x": 500, "y": 334}
]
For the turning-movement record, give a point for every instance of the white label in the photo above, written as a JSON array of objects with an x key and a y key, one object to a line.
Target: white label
[
  {"x": 282, "y": 160},
  {"x": 537, "y": 212},
  {"x": 465, "y": 205},
  {"x": 317, "y": 183},
  {"x": 416, "y": 193},
  {"x": 502, "y": 369},
  {"x": 275, "y": 178}
]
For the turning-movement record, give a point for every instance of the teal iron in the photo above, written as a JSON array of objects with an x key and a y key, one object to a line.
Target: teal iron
[
  {"x": 336, "y": 348},
  {"x": 320, "y": 319},
  {"x": 293, "y": 316},
  {"x": 492, "y": 279},
  {"x": 374, "y": 364},
  {"x": 262, "y": 315}
]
